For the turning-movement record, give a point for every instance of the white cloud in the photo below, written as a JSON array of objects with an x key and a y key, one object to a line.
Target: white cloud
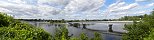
[
  {"x": 16, "y": 1},
  {"x": 84, "y": 5},
  {"x": 130, "y": 6},
  {"x": 54, "y": 3},
  {"x": 69, "y": 9},
  {"x": 49, "y": 8},
  {"x": 150, "y": 5},
  {"x": 120, "y": 7},
  {"x": 5, "y": 10},
  {"x": 141, "y": 0}
]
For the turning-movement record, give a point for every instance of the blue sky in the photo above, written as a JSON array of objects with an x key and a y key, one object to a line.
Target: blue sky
[{"x": 75, "y": 9}]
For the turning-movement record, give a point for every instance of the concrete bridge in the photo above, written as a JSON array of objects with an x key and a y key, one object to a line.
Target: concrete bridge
[
  {"x": 104, "y": 22},
  {"x": 85, "y": 25},
  {"x": 109, "y": 24}
]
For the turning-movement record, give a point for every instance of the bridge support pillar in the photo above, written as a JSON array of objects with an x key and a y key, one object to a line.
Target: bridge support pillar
[
  {"x": 110, "y": 28},
  {"x": 84, "y": 26}
]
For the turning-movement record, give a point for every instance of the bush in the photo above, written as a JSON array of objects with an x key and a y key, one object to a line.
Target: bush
[
  {"x": 5, "y": 20},
  {"x": 83, "y": 36},
  {"x": 137, "y": 31},
  {"x": 97, "y": 36},
  {"x": 61, "y": 33},
  {"x": 151, "y": 36},
  {"x": 11, "y": 29},
  {"x": 140, "y": 30}
]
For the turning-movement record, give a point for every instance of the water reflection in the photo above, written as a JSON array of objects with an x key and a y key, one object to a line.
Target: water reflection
[
  {"x": 78, "y": 25},
  {"x": 109, "y": 31}
]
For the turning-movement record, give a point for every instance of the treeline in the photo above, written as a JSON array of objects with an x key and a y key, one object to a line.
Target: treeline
[
  {"x": 64, "y": 21},
  {"x": 11, "y": 29},
  {"x": 131, "y": 18},
  {"x": 143, "y": 30}
]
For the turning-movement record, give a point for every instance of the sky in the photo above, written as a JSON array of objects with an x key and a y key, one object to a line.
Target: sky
[{"x": 75, "y": 9}]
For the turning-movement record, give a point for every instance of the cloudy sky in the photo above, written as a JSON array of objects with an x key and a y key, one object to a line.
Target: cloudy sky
[{"x": 75, "y": 9}]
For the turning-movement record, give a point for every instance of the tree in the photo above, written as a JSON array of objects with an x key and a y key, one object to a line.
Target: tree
[
  {"x": 5, "y": 20},
  {"x": 11, "y": 29},
  {"x": 140, "y": 30}
]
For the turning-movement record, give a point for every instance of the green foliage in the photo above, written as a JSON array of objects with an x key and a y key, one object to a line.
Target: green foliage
[
  {"x": 137, "y": 31},
  {"x": 61, "y": 34},
  {"x": 97, "y": 36},
  {"x": 151, "y": 36},
  {"x": 83, "y": 36},
  {"x": 140, "y": 30},
  {"x": 5, "y": 20},
  {"x": 17, "y": 34},
  {"x": 150, "y": 19},
  {"x": 74, "y": 38},
  {"x": 11, "y": 29}
]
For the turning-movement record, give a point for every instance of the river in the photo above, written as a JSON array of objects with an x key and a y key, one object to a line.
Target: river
[{"x": 88, "y": 28}]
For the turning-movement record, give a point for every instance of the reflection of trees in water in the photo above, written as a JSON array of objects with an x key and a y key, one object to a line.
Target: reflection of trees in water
[
  {"x": 49, "y": 25},
  {"x": 78, "y": 25},
  {"x": 58, "y": 25}
]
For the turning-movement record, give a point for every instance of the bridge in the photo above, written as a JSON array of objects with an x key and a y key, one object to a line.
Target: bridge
[
  {"x": 85, "y": 25},
  {"x": 109, "y": 24}
]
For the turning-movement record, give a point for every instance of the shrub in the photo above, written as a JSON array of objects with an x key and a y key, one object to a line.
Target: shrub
[
  {"x": 11, "y": 29},
  {"x": 140, "y": 30},
  {"x": 151, "y": 36},
  {"x": 5, "y": 20},
  {"x": 97, "y": 36}
]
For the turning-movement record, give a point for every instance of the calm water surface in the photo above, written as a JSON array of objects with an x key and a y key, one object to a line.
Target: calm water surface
[{"x": 88, "y": 28}]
